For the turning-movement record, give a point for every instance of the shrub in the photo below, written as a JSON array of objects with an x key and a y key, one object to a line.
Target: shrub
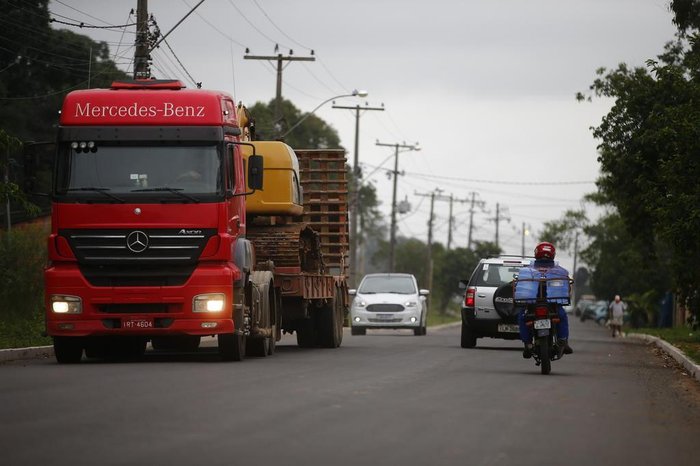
[{"x": 22, "y": 261}]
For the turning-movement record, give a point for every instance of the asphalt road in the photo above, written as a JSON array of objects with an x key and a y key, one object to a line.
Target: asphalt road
[{"x": 388, "y": 398}]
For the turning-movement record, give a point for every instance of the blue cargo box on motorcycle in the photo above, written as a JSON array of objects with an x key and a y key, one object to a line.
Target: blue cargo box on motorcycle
[{"x": 527, "y": 285}]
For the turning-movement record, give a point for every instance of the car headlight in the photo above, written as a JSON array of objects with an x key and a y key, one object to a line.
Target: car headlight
[
  {"x": 210, "y": 302},
  {"x": 410, "y": 304},
  {"x": 359, "y": 303},
  {"x": 64, "y": 304}
]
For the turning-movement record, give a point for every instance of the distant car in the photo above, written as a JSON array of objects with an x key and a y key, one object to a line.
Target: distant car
[
  {"x": 388, "y": 300},
  {"x": 597, "y": 311},
  {"x": 480, "y": 315}
]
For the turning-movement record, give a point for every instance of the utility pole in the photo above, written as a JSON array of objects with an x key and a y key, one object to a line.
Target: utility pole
[
  {"x": 141, "y": 56},
  {"x": 498, "y": 220},
  {"x": 524, "y": 233},
  {"x": 433, "y": 195},
  {"x": 392, "y": 235},
  {"x": 280, "y": 59},
  {"x": 480, "y": 204},
  {"x": 355, "y": 194}
]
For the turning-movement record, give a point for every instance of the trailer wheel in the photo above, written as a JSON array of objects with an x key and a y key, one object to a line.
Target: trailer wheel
[
  {"x": 329, "y": 323},
  {"x": 68, "y": 350},
  {"x": 305, "y": 333}
]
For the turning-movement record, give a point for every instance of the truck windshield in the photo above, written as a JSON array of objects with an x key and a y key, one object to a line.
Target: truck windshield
[{"x": 173, "y": 173}]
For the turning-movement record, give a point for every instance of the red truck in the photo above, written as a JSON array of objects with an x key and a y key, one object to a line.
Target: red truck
[{"x": 162, "y": 231}]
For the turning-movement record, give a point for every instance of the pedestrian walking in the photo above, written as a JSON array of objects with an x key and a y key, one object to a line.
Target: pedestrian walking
[{"x": 616, "y": 312}]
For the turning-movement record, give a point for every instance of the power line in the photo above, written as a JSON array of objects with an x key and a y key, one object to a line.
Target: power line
[
  {"x": 280, "y": 30},
  {"x": 89, "y": 26},
  {"x": 254, "y": 26}
]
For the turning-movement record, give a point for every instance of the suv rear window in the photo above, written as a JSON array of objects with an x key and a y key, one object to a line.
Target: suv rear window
[{"x": 495, "y": 274}]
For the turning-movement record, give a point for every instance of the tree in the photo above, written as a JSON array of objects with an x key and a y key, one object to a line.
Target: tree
[
  {"x": 622, "y": 263},
  {"x": 40, "y": 65},
  {"x": 455, "y": 265},
  {"x": 312, "y": 133},
  {"x": 650, "y": 152}
]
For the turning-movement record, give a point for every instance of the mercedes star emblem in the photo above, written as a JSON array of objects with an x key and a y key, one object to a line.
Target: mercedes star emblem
[{"x": 137, "y": 241}]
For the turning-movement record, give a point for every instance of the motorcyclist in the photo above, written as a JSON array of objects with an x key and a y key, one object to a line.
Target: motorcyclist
[{"x": 544, "y": 260}]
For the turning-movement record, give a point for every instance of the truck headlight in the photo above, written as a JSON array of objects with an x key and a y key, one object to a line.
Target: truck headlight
[
  {"x": 210, "y": 302},
  {"x": 65, "y": 304}
]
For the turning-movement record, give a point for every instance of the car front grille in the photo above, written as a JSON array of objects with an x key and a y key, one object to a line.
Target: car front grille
[{"x": 385, "y": 307}]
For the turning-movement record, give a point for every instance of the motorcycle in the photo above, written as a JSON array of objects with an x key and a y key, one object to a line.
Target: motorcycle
[
  {"x": 541, "y": 293},
  {"x": 543, "y": 318}
]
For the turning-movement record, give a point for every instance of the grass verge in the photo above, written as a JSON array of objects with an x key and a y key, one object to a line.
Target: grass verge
[
  {"x": 682, "y": 338},
  {"x": 435, "y": 318}
]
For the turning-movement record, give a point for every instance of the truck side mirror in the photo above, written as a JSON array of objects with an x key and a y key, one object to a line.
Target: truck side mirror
[{"x": 255, "y": 172}]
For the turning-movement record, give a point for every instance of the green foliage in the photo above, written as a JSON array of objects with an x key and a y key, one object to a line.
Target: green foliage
[
  {"x": 40, "y": 65},
  {"x": 650, "y": 159},
  {"x": 22, "y": 260},
  {"x": 622, "y": 264},
  {"x": 312, "y": 133},
  {"x": 562, "y": 232}
]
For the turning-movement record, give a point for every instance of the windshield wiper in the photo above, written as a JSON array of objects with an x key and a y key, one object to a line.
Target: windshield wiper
[
  {"x": 169, "y": 190},
  {"x": 95, "y": 189}
]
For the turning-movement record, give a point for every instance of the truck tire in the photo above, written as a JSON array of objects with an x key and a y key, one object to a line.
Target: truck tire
[
  {"x": 232, "y": 346},
  {"x": 68, "y": 350},
  {"x": 329, "y": 323},
  {"x": 468, "y": 337},
  {"x": 306, "y": 336},
  {"x": 261, "y": 346}
]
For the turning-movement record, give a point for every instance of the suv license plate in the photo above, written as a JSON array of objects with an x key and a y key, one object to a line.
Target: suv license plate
[
  {"x": 508, "y": 328},
  {"x": 543, "y": 323},
  {"x": 137, "y": 323}
]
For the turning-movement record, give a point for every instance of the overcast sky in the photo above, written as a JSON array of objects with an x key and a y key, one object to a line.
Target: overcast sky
[{"x": 485, "y": 86}]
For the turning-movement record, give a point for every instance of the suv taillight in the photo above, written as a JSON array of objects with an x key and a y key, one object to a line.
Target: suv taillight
[{"x": 469, "y": 297}]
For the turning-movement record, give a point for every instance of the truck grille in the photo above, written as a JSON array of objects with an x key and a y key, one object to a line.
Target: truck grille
[{"x": 144, "y": 257}]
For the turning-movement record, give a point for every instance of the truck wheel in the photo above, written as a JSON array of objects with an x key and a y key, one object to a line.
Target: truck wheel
[
  {"x": 68, "y": 350},
  {"x": 468, "y": 337},
  {"x": 232, "y": 346},
  {"x": 329, "y": 324},
  {"x": 266, "y": 298},
  {"x": 305, "y": 333}
]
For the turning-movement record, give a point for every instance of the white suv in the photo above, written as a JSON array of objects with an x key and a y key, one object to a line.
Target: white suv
[
  {"x": 388, "y": 300},
  {"x": 487, "y": 309}
]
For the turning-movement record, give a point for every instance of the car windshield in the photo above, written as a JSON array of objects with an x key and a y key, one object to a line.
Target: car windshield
[
  {"x": 387, "y": 284},
  {"x": 106, "y": 172},
  {"x": 496, "y": 274}
]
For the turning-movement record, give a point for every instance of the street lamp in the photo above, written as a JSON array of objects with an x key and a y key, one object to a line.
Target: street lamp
[
  {"x": 354, "y": 93},
  {"x": 392, "y": 239}
]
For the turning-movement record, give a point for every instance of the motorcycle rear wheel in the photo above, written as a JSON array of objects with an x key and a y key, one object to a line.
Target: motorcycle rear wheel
[{"x": 545, "y": 361}]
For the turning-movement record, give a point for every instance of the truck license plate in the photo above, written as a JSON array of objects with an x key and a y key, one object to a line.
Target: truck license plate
[
  {"x": 508, "y": 328},
  {"x": 544, "y": 323},
  {"x": 137, "y": 323}
]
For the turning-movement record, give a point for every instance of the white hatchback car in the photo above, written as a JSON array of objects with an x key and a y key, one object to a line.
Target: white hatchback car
[{"x": 389, "y": 300}]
